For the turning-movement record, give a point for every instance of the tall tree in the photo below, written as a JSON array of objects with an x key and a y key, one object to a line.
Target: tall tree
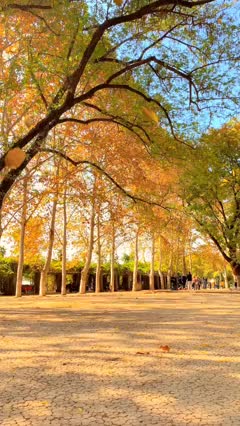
[
  {"x": 22, "y": 238},
  {"x": 46, "y": 267},
  {"x": 211, "y": 187},
  {"x": 85, "y": 270}
]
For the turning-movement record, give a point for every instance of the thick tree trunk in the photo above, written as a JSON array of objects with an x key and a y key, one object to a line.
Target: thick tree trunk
[
  {"x": 22, "y": 238},
  {"x": 135, "y": 269},
  {"x": 151, "y": 275},
  {"x": 238, "y": 281},
  {"x": 112, "y": 275},
  {"x": 64, "y": 248},
  {"x": 236, "y": 274},
  {"x": 99, "y": 261},
  {"x": 85, "y": 271}
]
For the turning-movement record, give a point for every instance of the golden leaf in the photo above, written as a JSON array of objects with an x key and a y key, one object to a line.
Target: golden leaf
[
  {"x": 150, "y": 114},
  {"x": 15, "y": 158},
  {"x": 118, "y": 2}
]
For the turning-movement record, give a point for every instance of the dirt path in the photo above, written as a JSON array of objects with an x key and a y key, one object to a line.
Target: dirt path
[{"x": 96, "y": 360}]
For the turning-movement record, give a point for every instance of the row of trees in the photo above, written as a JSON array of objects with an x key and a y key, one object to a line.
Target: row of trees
[
  {"x": 100, "y": 115},
  {"x": 79, "y": 212}
]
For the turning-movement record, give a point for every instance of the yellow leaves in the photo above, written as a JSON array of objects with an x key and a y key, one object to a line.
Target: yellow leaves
[
  {"x": 15, "y": 158},
  {"x": 118, "y": 2},
  {"x": 150, "y": 114}
]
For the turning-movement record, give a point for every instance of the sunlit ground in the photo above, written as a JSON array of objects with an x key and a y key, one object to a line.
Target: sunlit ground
[{"x": 97, "y": 360}]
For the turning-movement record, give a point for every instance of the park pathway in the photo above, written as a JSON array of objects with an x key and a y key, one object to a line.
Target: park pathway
[{"x": 100, "y": 360}]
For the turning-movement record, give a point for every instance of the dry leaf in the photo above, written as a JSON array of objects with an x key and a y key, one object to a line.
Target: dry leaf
[
  {"x": 15, "y": 158},
  {"x": 118, "y": 2},
  {"x": 150, "y": 114},
  {"x": 165, "y": 348}
]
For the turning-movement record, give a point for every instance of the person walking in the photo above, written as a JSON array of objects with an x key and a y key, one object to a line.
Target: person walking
[{"x": 189, "y": 281}]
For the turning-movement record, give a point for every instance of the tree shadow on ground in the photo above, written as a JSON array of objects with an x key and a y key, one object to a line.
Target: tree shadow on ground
[{"x": 107, "y": 364}]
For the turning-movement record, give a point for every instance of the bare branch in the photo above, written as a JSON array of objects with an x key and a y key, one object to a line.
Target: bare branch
[{"x": 115, "y": 120}]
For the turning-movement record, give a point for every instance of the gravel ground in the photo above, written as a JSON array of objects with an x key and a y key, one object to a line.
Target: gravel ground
[{"x": 98, "y": 359}]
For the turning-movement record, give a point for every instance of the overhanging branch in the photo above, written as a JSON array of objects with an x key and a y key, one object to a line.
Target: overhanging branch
[{"x": 108, "y": 176}]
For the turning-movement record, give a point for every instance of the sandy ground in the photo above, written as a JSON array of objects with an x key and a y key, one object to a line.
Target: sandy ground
[{"x": 97, "y": 359}]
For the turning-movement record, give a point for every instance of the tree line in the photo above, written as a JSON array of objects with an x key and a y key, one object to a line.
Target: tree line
[{"x": 104, "y": 117}]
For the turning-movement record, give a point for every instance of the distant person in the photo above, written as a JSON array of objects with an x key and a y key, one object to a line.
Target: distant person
[
  {"x": 184, "y": 280},
  {"x": 189, "y": 281},
  {"x": 212, "y": 283},
  {"x": 204, "y": 283}
]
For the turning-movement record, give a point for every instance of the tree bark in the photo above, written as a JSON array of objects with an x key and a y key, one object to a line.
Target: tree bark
[
  {"x": 160, "y": 265},
  {"x": 22, "y": 238},
  {"x": 169, "y": 272},
  {"x": 151, "y": 275},
  {"x": 225, "y": 278},
  {"x": 45, "y": 270},
  {"x": 85, "y": 271},
  {"x": 236, "y": 273},
  {"x": 64, "y": 248},
  {"x": 135, "y": 269},
  {"x": 99, "y": 261},
  {"x": 112, "y": 275}
]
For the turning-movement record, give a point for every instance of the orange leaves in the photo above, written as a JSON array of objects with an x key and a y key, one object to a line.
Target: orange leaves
[
  {"x": 118, "y": 2},
  {"x": 14, "y": 158}
]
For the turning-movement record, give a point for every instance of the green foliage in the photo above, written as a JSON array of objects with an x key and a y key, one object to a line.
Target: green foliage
[
  {"x": 6, "y": 267},
  {"x": 211, "y": 188}
]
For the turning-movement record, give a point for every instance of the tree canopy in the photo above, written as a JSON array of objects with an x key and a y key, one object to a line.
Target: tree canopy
[
  {"x": 101, "y": 100},
  {"x": 67, "y": 63}
]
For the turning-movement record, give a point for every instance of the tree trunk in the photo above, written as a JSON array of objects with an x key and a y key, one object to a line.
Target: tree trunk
[
  {"x": 238, "y": 281},
  {"x": 151, "y": 275},
  {"x": 160, "y": 265},
  {"x": 22, "y": 238},
  {"x": 184, "y": 260},
  {"x": 64, "y": 248},
  {"x": 85, "y": 271},
  {"x": 169, "y": 272},
  {"x": 225, "y": 278},
  {"x": 190, "y": 253},
  {"x": 99, "y": 260},
  {"x": 236, "y": 274},
  {"x": 135, "y": 269},
  {"x": 45, "y": 270},
  {"x": 112, "y": 276}
]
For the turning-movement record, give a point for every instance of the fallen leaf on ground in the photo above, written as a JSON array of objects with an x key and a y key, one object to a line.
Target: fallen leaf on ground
[{"x": 165, "y": 348}]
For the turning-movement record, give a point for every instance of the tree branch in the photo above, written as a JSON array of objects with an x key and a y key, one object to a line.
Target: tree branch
[
  {"x": 26, "y": 7},
  {"x": 103, "y": 86},
  {"x": 108, "y": 176}
]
